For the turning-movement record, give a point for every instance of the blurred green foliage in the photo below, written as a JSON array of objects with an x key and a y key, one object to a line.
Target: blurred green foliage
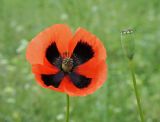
[{"x": 22, "y": 100}]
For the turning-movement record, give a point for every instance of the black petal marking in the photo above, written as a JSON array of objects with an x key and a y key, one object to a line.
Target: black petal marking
[
  {"x": 53, "y": 55},
  {"x": 76, "y": 60},
  {"x": 82, "y": 53},
  {"x": 79, "y": 80},
  {"x": 53, "y": 80}
]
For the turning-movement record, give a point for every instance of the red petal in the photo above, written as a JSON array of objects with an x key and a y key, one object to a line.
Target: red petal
[
  {"x": 90, "y": 68},
  {"x": 84, "y": 36},
  {"x": 41, "y": 69},
  {"x": 96, "y": 83},
  {"x": 58, "y": 33}
]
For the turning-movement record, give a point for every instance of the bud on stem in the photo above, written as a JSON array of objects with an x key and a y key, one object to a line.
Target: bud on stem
[{"x": 128, "y": 43}]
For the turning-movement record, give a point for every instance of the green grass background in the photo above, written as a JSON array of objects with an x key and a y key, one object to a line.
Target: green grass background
[{"x": 22, "y": 100}]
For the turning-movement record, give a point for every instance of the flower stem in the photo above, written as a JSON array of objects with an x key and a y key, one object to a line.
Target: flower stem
[
  {"x": 67, "y": 111},
  {"x": 136, "y": 89}
]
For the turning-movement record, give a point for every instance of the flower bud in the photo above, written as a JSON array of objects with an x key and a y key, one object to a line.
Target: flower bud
[{"x": 128, "y": 43}]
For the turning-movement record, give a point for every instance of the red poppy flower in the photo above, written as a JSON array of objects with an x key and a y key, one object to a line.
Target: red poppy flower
[{"x": 73, "y": 64}]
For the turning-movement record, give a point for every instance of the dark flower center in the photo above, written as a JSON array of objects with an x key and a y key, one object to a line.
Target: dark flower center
[{"x": 67, "y": 65}]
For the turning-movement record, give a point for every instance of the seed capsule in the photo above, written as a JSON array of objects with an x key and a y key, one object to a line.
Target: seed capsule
[{"x": 128, "y": 43}]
